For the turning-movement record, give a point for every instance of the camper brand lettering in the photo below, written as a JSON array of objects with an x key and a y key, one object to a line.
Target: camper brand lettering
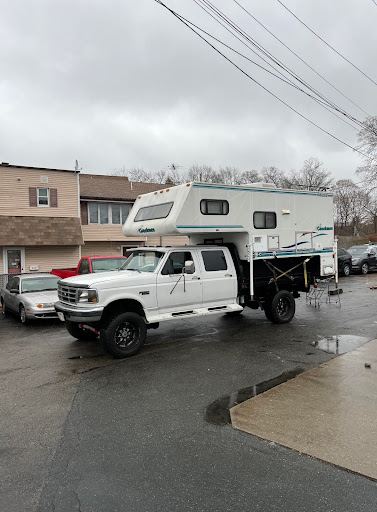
[
  {"x": 146, "y": 230},
  {"x": 324, "y": 228}
]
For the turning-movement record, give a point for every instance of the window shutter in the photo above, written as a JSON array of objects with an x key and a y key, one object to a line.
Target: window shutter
[
  {"x": 33, "y": 196},
  {"x": 84, "y": 213},
  {"x": 53, "y": 197}
]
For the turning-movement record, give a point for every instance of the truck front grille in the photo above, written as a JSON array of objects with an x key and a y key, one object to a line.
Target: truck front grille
[{"x": 67, "y": 294}]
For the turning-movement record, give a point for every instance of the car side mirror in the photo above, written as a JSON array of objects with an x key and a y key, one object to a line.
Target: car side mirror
[
  {"x": 189, "y": 267},
  {"x": 13, "y": 290}
]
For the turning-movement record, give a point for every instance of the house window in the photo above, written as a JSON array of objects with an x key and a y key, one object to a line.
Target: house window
[
  {"x": 264, "y": 220},
  {"x": 214, "y": 207},
  {"x": 108, "y": 213},
  {"x": 43, "y": 197}
]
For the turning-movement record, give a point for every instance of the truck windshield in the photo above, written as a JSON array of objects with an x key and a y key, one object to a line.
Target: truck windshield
[
  {"x": 143, "y": 261},
  {"x": 106, "y": 264}
]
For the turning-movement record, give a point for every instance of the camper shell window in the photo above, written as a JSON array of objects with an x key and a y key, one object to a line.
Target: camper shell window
[
  {"x": 264, "y": 220},
  {"x": 214, "y": 207},
  {"x": 158, "y": 211}
]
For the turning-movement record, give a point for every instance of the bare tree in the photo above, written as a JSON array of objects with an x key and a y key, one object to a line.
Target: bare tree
[
  {"x": 312, "y": 176},
  {"x": 367, "y": 143},
  {"x": 351, "y": 206},
  {"x": 274, "y": 175},
  {"x": 203, "y": 173}
]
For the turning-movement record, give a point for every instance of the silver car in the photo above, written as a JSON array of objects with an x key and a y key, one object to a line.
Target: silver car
[{"x": 31, "y": 296}]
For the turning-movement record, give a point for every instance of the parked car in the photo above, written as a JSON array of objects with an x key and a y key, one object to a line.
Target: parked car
[
  {"x": 91, "y": 265},
  {"x": 344, "y": 262},
  {"x": 364, "y": 258},
  {"x": 31, "y": 296}
]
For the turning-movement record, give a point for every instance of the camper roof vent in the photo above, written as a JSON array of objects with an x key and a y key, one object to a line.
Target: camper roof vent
[{"x": 263, "y": 184}]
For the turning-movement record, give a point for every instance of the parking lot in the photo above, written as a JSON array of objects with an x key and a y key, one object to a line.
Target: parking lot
[{"x": 83, "y": 431}]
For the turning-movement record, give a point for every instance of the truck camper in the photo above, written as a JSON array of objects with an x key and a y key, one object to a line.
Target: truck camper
[{"x": 251, "y": 246}]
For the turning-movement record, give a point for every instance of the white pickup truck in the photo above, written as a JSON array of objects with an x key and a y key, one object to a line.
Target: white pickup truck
[
  {"x": 154, "y": 285},
  {"x": 254, "y": 246}
]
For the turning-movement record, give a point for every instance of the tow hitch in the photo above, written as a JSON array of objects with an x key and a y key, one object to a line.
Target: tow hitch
[{"x": 89, "y": 328}]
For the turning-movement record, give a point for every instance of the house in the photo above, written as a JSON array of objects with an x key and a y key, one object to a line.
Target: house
[
  {"x": 49, "y": 218},
  {"x": 39, "y": 218}
]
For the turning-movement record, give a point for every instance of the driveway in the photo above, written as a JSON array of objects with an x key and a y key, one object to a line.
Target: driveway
[{"x": 81, "y": 431}]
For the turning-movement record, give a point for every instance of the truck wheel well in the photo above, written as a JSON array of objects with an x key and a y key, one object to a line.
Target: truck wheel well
[{"x": 122, "y": 306}]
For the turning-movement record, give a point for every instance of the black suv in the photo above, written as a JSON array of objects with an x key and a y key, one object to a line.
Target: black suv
[
  {"x": 344, "y": 262},
  {"x": 364, "y": 258}
]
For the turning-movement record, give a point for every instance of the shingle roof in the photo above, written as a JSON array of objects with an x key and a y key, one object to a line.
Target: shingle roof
[
  {"x": 96, "y": 186},
  {"x": 40, "y": 231}
]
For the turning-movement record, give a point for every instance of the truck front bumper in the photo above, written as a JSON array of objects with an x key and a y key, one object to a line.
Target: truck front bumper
[{"x": 79, "y": 314}]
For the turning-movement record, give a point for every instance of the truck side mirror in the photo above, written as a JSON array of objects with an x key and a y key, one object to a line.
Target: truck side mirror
[
  {"x": 189, "y": 267},
  {"x": 13, "y": 290}
]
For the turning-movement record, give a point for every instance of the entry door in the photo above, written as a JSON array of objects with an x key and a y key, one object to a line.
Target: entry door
[
  {"x": 14, "y": 260},
  {"x": 177, "y": 291}
]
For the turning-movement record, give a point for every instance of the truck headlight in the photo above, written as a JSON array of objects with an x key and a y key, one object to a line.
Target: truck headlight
[{"x": 87, "y": 295}]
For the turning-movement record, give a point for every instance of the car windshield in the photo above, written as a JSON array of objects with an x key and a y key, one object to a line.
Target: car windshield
[
  {"x": 143, "y": 261},
  {"x": 107, "y": 264},
  {"x": 39, "y": 284},
  {"x": 357, "y": 249}
]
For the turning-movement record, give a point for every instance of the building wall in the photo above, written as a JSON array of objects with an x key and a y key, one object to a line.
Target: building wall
[
  {"x": 102, "y": 232},
  {"x": 114, "y": 248},
  {"x": 14, "y": 192},
  {"x": 49, "y": 257}
]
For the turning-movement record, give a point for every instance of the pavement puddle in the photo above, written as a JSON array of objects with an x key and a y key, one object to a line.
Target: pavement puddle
[
  {"x": 328, "y": 412},
  {"x": 340, "y": 343},
  {"x": 218, "y": 412}
]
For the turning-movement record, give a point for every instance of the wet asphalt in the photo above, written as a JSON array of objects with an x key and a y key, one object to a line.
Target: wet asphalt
[{"x": 81, "y": 431}]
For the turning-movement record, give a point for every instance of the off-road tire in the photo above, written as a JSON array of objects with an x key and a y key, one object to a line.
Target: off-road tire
[
  {"x": 78, "y": 333},
  {"x": 124, "y": 335},
  {"x": 280, "y": 309},
  {"x": 364, "y": 269}
]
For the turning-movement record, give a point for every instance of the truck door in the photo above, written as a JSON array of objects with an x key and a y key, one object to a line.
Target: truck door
[
  {"x": 219, "y": 279},
  {"x": 177, "y": 291}
]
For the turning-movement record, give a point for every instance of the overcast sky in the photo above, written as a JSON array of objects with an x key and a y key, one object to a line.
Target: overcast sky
[{"x": 123, "y": 83}]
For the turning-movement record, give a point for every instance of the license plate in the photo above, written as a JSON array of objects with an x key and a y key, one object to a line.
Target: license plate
[{"x": 60, "y": 316}]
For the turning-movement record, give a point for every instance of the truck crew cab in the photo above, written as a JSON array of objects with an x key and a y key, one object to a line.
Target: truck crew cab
[{"x": 252, "y": 246}]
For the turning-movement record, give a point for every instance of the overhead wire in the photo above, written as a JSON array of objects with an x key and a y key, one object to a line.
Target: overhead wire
[
  {"x": 176, "y": 15},
  {"x": 217, "y": 12},
  {"x": 282, "y": 77},
  {"x": 300, "y": 58},
  {"x": 326, "y": 43}
]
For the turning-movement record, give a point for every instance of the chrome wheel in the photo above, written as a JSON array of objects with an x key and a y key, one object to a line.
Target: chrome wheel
[
  {"x": 346, "y": 269},
  {"x": 364, "y": 268},
  {"x": 125, "y": 335},
  {"x": 23, "y": 316}
]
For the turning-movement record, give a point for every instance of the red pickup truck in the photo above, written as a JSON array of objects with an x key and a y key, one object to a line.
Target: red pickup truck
[{"x": 90, "y": 265}]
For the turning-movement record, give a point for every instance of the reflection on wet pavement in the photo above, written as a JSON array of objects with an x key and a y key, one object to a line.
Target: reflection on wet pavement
[
  {"x": 218, "y": 411},
  {"x": 340, "y": 344}
]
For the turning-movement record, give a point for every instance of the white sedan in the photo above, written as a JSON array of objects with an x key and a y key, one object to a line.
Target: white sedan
[{"x": 31, "y": 296}]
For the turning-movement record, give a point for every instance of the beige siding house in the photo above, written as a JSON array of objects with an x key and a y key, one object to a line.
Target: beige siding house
[
  {"x": 49, "y": 218},
  {"x": 105, "y": 204},
  {"x": 40, "y": 224}
]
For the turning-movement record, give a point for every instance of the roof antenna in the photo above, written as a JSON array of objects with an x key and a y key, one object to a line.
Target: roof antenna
[{"x": 77, "y": 168}]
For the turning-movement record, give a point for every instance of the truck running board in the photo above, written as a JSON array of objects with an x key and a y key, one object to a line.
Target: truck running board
[{"x": 211, "y": 310}]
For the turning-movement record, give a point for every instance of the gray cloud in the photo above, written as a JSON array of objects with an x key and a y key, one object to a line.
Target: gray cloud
[{"x": 123, "y": 83}]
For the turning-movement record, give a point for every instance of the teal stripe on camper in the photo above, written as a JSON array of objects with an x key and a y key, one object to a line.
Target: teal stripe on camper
[
  {"x": 306, "y": 253},
  {"x": 208, "y": 227},
  {"x": 270, "y": 190}
]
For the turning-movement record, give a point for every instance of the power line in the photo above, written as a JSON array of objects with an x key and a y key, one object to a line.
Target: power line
[
  {"x": 286, "y": 81},
  {"x": 326, "y": 43},
  {"x": 375, "y": 3},
  {"x": 255, "y": 81},
  {"x": 302, "y": 60},
  {"x": 265, "y": 52}
]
